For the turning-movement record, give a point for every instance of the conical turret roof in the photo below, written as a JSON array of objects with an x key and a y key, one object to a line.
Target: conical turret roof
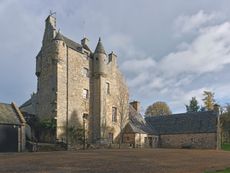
[{"x": 99, "y": 48}]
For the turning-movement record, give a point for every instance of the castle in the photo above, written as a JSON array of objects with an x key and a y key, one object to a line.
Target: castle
[{"x": 79, "y": 88}]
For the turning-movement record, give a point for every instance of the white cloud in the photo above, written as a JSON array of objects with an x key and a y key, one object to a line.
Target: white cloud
[
  {"x": 173, "y": 75},
  {"x": 139, "y": 80},
  {"x": 209, "y": 52},
  {"x": 138, "y": 65},
  {"x": 176, "y": 76},
  {"x": 186, "y": 23}
]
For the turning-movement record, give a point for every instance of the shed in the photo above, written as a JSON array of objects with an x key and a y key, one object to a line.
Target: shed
[{"x": 12, "y": 128}]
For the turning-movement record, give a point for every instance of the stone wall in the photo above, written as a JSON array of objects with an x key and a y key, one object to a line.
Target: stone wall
[
  {"x": 46, "y": 73},
  {"x": 61, "y": 81},
  {"x": 201, "y": 140},
  {"x": 141, "y": 140}
]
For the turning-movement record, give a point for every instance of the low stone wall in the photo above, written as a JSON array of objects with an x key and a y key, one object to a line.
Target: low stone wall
[{"x": 201, "y": 140}]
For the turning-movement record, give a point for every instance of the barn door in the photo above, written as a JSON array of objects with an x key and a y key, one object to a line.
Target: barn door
[{"x": 8, "y": 138}]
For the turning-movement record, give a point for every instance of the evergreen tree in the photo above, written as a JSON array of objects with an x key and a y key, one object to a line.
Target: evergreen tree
[{"x": 193, "y": 105}]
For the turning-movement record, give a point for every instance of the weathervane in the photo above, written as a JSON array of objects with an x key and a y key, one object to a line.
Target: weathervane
[{"x": 52, "y": 13}]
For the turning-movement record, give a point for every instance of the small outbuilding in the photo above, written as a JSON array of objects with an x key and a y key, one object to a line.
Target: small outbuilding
[
  {"x": 12, "y": 128},
  {"x": 137, "y": 133},
  {"x": 186, "y": 130}
]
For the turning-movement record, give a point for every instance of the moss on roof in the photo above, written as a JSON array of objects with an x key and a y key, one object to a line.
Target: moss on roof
[{"x": 8, "y": 114}]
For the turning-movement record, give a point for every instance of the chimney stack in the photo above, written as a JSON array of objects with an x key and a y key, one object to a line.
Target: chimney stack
[
  {"x": 84, "y": 41},
  {"x": 136, "y": 105}
]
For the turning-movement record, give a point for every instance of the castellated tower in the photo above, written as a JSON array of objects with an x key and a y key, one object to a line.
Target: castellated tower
[{"x": 79, "y": 88}]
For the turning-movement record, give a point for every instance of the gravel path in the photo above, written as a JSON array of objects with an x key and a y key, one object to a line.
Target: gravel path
[{"x": 116, "y": 161}]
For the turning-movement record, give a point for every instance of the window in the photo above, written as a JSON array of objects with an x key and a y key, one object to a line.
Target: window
[
  {"x": 85, "y": 116},
  {"x": 85, "y": 94},
  {"x": 146, "y": 140},
  {"x": 107, "y": 88},
  {"x": 85, "y": 72},
  {"x": 114, "y": 114},
  {"x": 111, "y": 137}
]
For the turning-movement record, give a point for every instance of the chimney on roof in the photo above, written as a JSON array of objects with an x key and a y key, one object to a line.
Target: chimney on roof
[
  {"x": 216, "y": 109},
  {"x": 113, "y": 58},
  {"x": 84, "y": 41},
  {"x": 136, "y": 105}
]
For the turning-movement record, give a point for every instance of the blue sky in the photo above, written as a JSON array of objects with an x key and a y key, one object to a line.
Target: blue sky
[{"x": 168, "y": 50}]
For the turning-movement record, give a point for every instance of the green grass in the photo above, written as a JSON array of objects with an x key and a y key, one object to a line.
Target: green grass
[
  {"x": 227, "y": 170},
  {"x": 226, "y": 147}
]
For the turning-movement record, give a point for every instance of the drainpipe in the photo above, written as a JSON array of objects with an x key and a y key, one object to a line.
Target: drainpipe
[{"x": 67, "y": 97}]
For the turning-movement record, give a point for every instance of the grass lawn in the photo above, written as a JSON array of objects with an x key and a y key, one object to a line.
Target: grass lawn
[
  {"x": 226, "y": 147},
  {"x": 227, "y": 170}
]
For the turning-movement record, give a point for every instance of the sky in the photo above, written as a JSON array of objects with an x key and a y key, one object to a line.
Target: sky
[{"x": 167, "y": 50}]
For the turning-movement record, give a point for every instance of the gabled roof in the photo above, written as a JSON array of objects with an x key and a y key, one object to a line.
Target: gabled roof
[
  {"x": 73, "y": 45},
  {"x": 197, "y": 122},
  {"x": 137, "y": 123},
  {"x": 10, "y": 114},
  {"x": 29, "y": 105}
]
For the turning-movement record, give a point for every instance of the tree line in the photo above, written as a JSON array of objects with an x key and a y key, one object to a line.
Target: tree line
[{"x": 160, "y": 108}]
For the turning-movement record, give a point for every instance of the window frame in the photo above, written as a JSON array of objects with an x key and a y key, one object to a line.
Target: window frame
[
  {"x": 107, "y": 88},
  {"x": 85, "y": 95},
  {"x": 114, "y": 114}
]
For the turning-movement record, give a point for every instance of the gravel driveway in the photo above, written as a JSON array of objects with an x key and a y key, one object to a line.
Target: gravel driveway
[{"x": 116, "y": 161}]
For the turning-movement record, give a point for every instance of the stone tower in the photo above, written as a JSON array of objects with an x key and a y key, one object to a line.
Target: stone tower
[
  {"x": 78, "y": 88},
  {"x": 98, "y": 97}
]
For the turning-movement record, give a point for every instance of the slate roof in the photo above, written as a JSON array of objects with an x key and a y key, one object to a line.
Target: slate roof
[
  {"x": 99, "y": 48},
  {"x": 137, "y": 123},
  {"x": 27, "y": 107},
  {"x": 9, "y": 114},
  {"x": 59, "y": 36},
  {"x": 71, "y": 44},
  {"x": 198, "y": 122}
]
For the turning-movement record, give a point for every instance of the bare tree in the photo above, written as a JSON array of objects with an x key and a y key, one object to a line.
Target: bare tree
[{"x": 123, "y": 108}]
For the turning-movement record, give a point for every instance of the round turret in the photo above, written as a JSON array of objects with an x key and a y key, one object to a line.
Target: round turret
[{"x": 99, "y": 58}]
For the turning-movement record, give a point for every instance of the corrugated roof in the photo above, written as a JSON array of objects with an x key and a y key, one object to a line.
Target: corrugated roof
[
  {"x": 8, "y": 114},
  {"x": 197, "y": 122}
]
